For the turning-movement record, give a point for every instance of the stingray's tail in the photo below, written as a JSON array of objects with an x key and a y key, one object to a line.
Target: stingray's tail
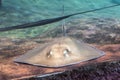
[{"x": 34, "y": 24}]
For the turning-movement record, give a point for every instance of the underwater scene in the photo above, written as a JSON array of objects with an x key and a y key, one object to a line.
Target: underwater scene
[{"x": 59, "y": 39}]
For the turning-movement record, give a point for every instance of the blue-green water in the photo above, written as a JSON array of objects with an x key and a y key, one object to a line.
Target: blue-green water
[{"x": 14, "y": 12}]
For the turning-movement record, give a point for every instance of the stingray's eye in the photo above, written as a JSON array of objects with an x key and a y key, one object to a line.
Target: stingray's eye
[
  {"x": 49, "y": 54},
  {"x": 66, "y": 52}
]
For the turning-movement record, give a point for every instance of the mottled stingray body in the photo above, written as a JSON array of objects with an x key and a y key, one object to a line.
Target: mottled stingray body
[{"x": 61, "y": 52}]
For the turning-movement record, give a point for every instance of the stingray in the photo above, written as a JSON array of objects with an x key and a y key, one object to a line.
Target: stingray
[
  {"x": 52, "y": 20},
  {"x": 61, "y": 52}
]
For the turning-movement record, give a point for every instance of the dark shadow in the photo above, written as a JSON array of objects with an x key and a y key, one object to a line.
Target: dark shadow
[
  {"x": 0, "y": 3},
  {"x": 3, "y": 76},
  {"x": 115, "y": 1}
]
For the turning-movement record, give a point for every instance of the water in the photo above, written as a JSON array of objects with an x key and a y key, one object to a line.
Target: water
[
  {"x": 15, "y": 12},
  {"x": 100, "y": 29}
]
